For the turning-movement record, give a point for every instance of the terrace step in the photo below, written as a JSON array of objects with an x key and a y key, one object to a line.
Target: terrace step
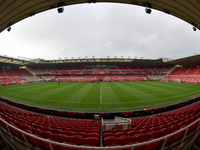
[
  {"x": 2, "y": 144},
  {"x": 196, "y": 145}
]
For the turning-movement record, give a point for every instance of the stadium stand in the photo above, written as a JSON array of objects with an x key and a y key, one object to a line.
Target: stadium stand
[
  {"x": 77, "y": 132},
  {"x": 174, "y": 127},
  {"x": 14, "y": 75},
  {"x": 87, "y": 132},
  {"x": 188, "y": 74}
]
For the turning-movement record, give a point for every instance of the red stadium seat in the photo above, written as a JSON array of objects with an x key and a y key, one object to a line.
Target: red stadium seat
[
  {"x": 135, "y": 148},
  {"x": 119, "y": 134},
  {"x": 107, "y": 131},
  {"x": 35, "y": 141},
  {"x": 173, "y": 128},
  {"x": 83, "y": 134},
  {"x": 27, "y": 127},
  {"x": 128, "y": 129},
  {"x": 69, "y": 133},
  {"x": 66, "y": 148},
  {"x": 37, "y": 131},
  {"x": 61, "y": 138},
  {"x": 177, "y": 136},
  {"x": 3, "y": 124},
  {"x": 47, "y": 129},
  {"x": 140, "y": 137},
  {"x": 164, "y": 131},
  {"x": 20, "y": 125},
  {"x": 74, "y": 130},
  {"x": 125, "y": 140},
  {"x": 26, "y": 136},
  {"x": 163, "y": 126},
  {"x": 96, "y": 135},
  {"x": 118, "y": 130},
  {"x": 111, "y": 141},
  {"x": 91, "y": 141},
  {"x": 57, "y": 131},
  {"x": 132, "y": 133},
  {"x": 48, "y": 135},
  {"x": 153, "y": 134},
  {"x": 154, "y": 128},
  {"x": 108, "y": 134},
  {"x": 144, "y": 131},
  {"x": 39, "y": 127},
  {"x": 96, "y": 128},
  {"x": 47, "y": 146},
  {"x": 84, "y": 130},
  {"x": 76, "y": 140},
  {"x": 94, "y": 131},
  {"x": 151, "y": 146}
]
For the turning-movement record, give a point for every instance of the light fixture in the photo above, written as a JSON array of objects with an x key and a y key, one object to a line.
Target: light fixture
[
  {"x": 60, "y": 10},
  {"x": 148, "y": 8},
  {"x": 194, "y": 26},
  {"x": 91, "y": 1},
  {"x": 9, "y": 27},
  {"x": 60, "y": 7}
]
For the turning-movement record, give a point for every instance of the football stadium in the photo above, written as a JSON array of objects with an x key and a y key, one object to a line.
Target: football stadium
[{"x": 99, "y": 103}]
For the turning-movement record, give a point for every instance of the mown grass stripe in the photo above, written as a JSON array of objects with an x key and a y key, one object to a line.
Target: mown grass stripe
[
  {"x": 137, "y": 93},
  {"x": 116, "y": 96}
]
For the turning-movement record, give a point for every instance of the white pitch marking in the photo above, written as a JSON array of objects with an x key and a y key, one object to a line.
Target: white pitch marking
[{"x": 101, "y": 93}]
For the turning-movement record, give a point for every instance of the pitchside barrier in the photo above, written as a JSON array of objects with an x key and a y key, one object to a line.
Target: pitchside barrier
[{"x": 8, "y": 128}]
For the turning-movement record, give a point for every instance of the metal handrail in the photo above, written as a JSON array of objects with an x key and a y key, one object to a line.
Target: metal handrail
[{"x": 104, "y": 148}]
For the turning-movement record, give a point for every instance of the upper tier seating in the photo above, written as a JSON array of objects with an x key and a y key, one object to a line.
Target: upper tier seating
[
  {"x": 15, "y": 75},
  {"x": 2, "y": 73},
  {"x": 189, "y": 74}
]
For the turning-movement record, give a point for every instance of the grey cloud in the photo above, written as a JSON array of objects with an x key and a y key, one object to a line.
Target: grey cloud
[{"x": 101, "y": 30}]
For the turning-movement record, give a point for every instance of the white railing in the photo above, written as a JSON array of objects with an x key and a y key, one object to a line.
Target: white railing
[
  {"x": 105, "y": 148},
  {"x": 117, "y": 123}
]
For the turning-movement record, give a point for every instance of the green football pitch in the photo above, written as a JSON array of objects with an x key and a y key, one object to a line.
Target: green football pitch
[{"x": 100, "y": 96}]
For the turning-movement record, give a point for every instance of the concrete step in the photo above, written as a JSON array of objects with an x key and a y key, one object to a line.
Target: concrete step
[
  {"x": 195, "y": 147},
  {"x": 2, "y": 144}
]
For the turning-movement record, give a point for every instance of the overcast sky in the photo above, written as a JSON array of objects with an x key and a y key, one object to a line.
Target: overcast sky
[{"x": 100, "y": 30}]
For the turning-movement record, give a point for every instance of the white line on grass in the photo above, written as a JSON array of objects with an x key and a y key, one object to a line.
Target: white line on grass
[{"x": 101, "y": 93}]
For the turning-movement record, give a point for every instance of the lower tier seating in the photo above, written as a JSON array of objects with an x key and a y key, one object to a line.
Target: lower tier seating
[{"x": 88, "y": 132}]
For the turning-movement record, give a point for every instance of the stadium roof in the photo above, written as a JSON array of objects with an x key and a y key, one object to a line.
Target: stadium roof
[
  {"x": 12, "y": 12},
  {"x": 22, "y": 61}
]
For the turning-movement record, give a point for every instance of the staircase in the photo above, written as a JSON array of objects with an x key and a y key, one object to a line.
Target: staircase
[
  {"x": 196, "y": 144},
  {"x": 2, "y": 144},
  {"x": 172, "y": 69},
  {"x": 29, "y": 70}
]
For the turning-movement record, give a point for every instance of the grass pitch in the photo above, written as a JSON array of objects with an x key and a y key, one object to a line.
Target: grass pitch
[{"x": 102, "y": 96}]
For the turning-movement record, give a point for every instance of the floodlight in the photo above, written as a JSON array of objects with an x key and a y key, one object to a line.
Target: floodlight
[
  {"x": 91, "y": 1},
  {"x": 194, "y": 26},
  {"x": 148, "y": 8},
  {"x": 60, "y": 7},
  {"x": 8, "y": 29}
]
